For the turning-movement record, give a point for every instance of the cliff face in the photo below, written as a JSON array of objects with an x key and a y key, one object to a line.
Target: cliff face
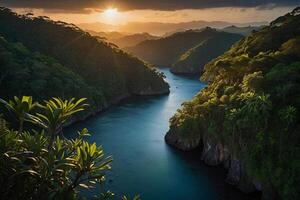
[{"x": 215, "y": 153}]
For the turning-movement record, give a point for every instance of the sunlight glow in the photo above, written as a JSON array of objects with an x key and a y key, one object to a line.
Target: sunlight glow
[{"x": 111, "y": 12}]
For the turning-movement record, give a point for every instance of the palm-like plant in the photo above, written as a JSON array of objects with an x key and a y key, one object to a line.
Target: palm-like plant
[
  {"x": 36, "y": 173},
  {"x": 20, "y": 107},
  {"x": 55, "y": 114}
]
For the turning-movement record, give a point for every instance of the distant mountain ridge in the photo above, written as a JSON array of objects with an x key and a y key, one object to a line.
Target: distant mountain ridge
[
  {"x": 132, "y": 40},
  {"x": 175, "y": 50},
  {"x": 157, "y": 28},
  {"x": 123, "y": 40},
  {"x": 246, "y": 30}
]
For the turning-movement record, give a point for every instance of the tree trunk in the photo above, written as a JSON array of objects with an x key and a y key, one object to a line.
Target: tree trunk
[
  {"x": 21, "y": 126},
  {"x": 51, "y": 141}
]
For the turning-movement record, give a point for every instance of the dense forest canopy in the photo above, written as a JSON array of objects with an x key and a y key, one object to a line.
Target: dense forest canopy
[
  {"x": 252, "y": 106},
  {"x": 110, "y": 73},
  {"x": 34, "y": 74}
]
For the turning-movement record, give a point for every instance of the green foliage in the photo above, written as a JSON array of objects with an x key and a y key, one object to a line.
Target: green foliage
[
  {"x": 247, "y": 30},
  {"x": 20, "y": 107},
  {"x": 193, "y": 61},
  {"x": 252, "y": 105},
  {"x": 33, "y": 74},
  {"x": 29, "y": 169},
  {"x": 55, "y": 114},
  {"x": 168, "y": 50},
  {"x": 130, "y": 40},
  {"x": 73, "y": 64}
]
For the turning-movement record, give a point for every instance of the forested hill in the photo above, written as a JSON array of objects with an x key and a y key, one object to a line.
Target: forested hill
[
  {"x": 132, "y": 40},
  {"x": 248, "y": 117},
  {"x": 193, "y": 61},
  {"x": 123, "y": 40},
  {"x": 34, "y": 74},
  {"x": 170, "y": 50},
  {"x": 108, "y": 71},
  {"x": 247, "y": 30}
]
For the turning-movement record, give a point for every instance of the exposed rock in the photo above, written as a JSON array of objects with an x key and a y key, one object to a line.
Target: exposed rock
[
  {"x": 214, "y": 153},
  {"x": 258, "y": 185},
  {"x": 174, "y": 138},
  {"x": 234, "y": 172},
  {"x": 246, "y": 183}
]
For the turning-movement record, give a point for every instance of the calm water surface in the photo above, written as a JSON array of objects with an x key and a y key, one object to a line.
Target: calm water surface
[{"x": 133, "y": 133}]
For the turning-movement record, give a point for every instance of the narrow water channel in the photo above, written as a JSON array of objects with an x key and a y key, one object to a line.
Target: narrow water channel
[{"x": 133, "y": 133}]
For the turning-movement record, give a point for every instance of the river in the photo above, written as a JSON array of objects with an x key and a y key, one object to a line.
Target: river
[{"x": 133, "y": 133}]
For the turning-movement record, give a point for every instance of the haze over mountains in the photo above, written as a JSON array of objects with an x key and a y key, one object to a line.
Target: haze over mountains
[
  {"x": 185, "y": 52},
  {"x": 157, "y": 28},
  {"x": 123, "y": 40}
]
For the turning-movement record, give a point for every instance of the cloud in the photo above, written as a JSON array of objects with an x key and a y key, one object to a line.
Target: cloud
[{"x": 86, "y": 6}]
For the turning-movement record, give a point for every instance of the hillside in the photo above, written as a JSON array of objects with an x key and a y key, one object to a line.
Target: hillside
[
  {"x": 247, "y": 30},
  {"x": 132, "y": 40},
  {"x": 166, "y": 51},
  {"x": 193, "y": 61},
  {"x": 107, "y": 35},
  {"x": 248, "y": 116},
  {"x": 34, "y": 74},
  {"x": 108, "y": 71},
  {"x": 123, "y": 40}
]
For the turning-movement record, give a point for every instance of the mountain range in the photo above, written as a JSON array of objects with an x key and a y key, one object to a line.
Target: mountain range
[
  {"x": 157, "y": 28},
  {"x": 185, "y": 52}
]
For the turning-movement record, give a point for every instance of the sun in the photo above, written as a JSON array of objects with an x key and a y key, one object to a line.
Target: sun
[{"x": 111, "y": 12}]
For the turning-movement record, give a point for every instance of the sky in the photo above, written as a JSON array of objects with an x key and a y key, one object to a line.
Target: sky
[{"x": 172, "y": 11}]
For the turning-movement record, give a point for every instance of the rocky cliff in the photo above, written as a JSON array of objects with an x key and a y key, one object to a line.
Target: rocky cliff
[{"x": 215, "y": 153}]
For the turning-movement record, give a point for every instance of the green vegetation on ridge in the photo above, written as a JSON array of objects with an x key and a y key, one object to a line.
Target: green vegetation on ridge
[
  {"x": 133, "y": 39},
  {"x": 252, "y": 106},
  {"x": 185, "y": 52},
  {"x": 123, "y": 40},
  {"x": 193, "y": 61},
  {"x": 247, "y": 30},
  {"x": 34, "y": 74},
  {"x": 106, "y": 73}
]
